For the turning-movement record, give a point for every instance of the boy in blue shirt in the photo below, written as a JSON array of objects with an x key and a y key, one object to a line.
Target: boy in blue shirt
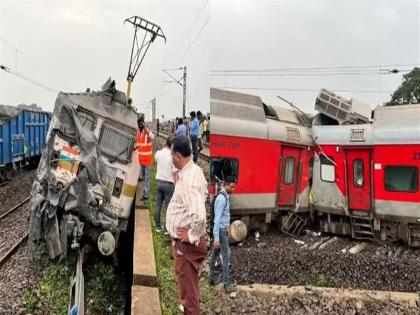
[
  {"x": 194, "y": 131},
  {"x": 221, "y": 233}
]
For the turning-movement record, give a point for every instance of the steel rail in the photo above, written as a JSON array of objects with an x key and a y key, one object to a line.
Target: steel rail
[
  {"x": 14, "y": 208},
  {"x": 13, "y": 249}
]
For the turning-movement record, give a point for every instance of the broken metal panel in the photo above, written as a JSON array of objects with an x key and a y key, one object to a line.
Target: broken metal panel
[
  {"x": 326, "y": 195},
  {"x": 88, "y": 171}
]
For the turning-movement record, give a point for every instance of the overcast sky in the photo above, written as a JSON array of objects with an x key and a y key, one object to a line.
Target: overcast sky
[
  {"x": 247, "y": 34},
  {"x": 73, "y": 45}
]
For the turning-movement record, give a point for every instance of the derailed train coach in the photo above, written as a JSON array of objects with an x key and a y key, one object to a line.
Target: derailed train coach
[
  {"x": 338, "y": 172},
  {"x": 267, "y": 150},
  {"x": 366, "y": 176},
  {"x": 87, "y": 175}
]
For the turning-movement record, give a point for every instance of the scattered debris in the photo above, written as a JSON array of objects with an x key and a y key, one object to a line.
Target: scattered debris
[
  {"x": 262, "y": 244},
  {"x": 399, "y": 251},
  {"x": 330, "y": 241},
  {"x": 299, "y": 242},
  {"x": 313, "y": 233},
  {"x": 257, "y": 236},
  {"x": 358, "y": 248},
  {"x": 315, "y": 246}
]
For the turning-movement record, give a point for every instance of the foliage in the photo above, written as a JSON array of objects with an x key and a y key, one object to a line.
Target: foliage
[
  {"x": 54, "y": 289},
  {"x": 103, "y": 289},
  {"x": 31, "y": 301},
  {"x": 320, "y": 280},
  {"x": 409, "y": 90}
]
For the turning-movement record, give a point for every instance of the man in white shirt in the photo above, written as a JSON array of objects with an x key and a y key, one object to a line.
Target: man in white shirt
[{"x": 165, "y": 177}]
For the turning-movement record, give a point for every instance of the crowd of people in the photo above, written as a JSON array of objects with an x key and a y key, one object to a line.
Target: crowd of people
[{"x": 180, "y": 211}]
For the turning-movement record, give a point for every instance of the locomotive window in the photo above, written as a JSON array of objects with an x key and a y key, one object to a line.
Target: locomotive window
[
  {"x": 401, "y": 178},
  {"x": 220, "y": 168},
  {"x": 116, "y": 143},
  {"x": 289, "y": 170},
  {"x": 358, "y": 173},
  {"x": 327, "y": 169}
]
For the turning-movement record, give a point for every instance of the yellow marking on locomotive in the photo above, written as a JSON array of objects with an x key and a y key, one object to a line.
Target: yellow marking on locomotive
[
  {"x": 70, "y": 166},
  {"x": 129, "y": 190}
]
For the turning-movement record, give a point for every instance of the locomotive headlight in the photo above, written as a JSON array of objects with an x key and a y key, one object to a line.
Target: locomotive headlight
[{"x": 106, "y": 243}]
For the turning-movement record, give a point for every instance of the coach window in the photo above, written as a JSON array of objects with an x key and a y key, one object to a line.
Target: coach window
[
  {"x": 358, "y": 175},
  {"x": 327, "y": 169},
  {"x": 289, "y": 170},
  {"x": 220, "y": 168},
  {"x": 401, "y": 178}
]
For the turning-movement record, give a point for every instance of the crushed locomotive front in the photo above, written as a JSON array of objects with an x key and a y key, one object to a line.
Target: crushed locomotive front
[{"x": 87, "y": 176}]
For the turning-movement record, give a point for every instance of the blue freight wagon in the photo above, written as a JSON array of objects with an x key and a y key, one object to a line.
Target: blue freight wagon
[{"x": 23, "y": 131}]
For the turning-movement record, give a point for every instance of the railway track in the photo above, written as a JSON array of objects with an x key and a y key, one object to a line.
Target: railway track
[{"x": 13, "y": 226}]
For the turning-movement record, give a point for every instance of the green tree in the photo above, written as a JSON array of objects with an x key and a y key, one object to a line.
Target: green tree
[{"x": 409, "y": 90}]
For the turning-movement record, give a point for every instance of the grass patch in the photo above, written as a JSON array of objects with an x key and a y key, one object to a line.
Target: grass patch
[
  {"x": 320, "y": 280},
  {"x": 168, "y": 288},
  {"x": 52, "y": 296}
]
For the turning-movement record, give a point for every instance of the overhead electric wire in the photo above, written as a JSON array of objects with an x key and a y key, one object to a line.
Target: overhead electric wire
[
  {"x": 297, "y": 69},
  {"x": 30, "y": 60},
  {"x": 192, "y": 25},
  {"x": 31, "y": 80},
  {"x": 195, "y": 38},
  {"x": 303, "y": 74}
]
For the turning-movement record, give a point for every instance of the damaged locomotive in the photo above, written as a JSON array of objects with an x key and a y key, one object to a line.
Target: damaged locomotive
[{"x": 87, "y": 176}]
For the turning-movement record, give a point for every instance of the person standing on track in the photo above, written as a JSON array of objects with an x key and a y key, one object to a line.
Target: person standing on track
[
  {"x": 221, "y": 233},
  {"x": 186, "y": 224},
  {"x": 144, "y": 139},
  {"x": 165, "y": 177},
  {"x": 194, "y": 131}
]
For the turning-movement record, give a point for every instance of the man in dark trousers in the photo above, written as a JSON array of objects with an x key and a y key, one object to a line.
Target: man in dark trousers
[
  {"x": 186, "y": 224},
  {"x": 165, "y": 177},
  {"x": 194, "y": 131},
  {"x": 221, "y": 233}
]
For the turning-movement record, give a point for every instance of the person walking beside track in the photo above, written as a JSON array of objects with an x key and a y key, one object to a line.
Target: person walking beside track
[
  {"x": 144, "y": 139},
  {"x": 221, "y": 233},
  {"x": 186, "y": 224},
  {"x": 165, "y": 177},
  {"x": 194, "y": 131}
]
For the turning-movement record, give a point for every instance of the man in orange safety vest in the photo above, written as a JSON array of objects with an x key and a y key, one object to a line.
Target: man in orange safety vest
[{"x": 144, "y": 139}]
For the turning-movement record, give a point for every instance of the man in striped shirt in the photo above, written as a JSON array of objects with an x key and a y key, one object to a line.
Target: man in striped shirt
[{"x": 186, "y": 223}]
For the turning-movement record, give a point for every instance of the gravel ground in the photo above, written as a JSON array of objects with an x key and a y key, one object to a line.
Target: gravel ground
[
  {"x": 308, "y": 303},
  {"x": 20, "y": 273},
  {"x": 17, "y": 276},
  {"x": 278, "y": 259},
  {"x": 16, "y": 190},
  {"x": 13, "y": 227}
]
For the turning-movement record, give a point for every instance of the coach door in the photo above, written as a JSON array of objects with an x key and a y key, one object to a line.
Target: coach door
[
  {"x": 358, "y": 179},
  {"x": 289, "y": 173}
]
